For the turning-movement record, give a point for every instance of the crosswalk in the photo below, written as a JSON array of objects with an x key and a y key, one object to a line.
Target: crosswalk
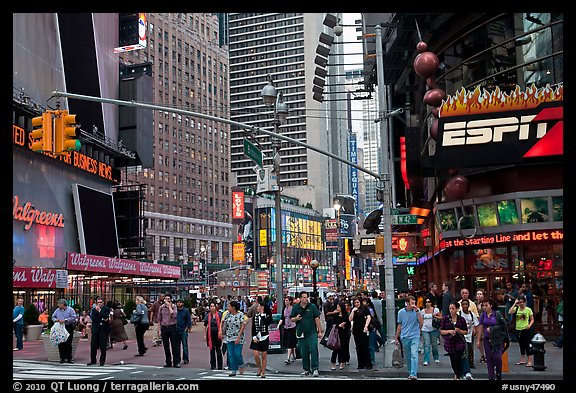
[
  {"x": 36, "y": 370},
  {"x": 219, "y": 375}
]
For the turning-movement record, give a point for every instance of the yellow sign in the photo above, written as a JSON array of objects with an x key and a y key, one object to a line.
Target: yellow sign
[
  {"x": 347, "y": 260},
  {"x": 238, "y": 251},
  {"x": 263, "y": 242}
]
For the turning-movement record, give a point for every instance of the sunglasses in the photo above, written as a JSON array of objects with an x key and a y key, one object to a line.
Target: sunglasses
[{"x": 428, "y": 301}]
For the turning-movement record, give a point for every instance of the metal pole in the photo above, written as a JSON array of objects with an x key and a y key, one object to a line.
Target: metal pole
[
  {"x": 57, "y": 93},
  {"x": 386, "y": 207},
  {"x": 278, "y": 259}
]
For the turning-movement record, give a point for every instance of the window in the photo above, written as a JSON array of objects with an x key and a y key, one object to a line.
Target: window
[
  {"x": 534, "y": 209},
  {"x": 487, "y": 215},
  {"x": 508, "y": 212}
]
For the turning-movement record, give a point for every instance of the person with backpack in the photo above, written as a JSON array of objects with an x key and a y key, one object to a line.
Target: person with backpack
[{"x": 494, "y": 327}]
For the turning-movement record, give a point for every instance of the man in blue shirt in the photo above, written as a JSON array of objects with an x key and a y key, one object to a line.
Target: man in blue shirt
[
  {"x": 18, "y": 320},
  {"x": 65, "y": 315},
  {"x": 408, "y": 332},
  {"x": 183, "y": 326}
]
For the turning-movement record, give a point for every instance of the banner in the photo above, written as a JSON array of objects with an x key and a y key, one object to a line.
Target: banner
[
  {"x": 99, "y": 264},
  {"x": 37, "y": 277}
]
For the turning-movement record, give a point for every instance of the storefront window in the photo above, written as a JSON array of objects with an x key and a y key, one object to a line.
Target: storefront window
[
  {"x": 487, "y": 215},
  {"x": 534, "y": 210},
  {"x": 508, "y": 212}
]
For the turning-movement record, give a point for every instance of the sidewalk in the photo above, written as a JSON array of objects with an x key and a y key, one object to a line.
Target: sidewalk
[{"x": 200, "y": 359}]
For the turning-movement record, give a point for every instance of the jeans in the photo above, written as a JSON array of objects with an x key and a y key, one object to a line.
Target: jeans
[
  {"x": 372, "y": 344},
  {"x": 410, "y": 346},
  {"x": 234, "y": 352},
  {"x": 431, "y": 341},
  {"x": 170, "y": 342},
  {"x": 183, "y": 340},
  {"x": 19, "y": 332}
]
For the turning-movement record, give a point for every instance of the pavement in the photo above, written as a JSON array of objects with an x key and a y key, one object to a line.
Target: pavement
[{"x": 200, "y": 359}]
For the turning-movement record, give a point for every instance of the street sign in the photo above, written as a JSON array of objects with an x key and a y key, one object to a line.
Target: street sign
[
  {"x": 252, "y": 152},
  {"x": 404, "y": 219}
]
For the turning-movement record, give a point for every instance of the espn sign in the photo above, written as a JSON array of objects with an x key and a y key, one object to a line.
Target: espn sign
[{"x": 496, "y": 138}]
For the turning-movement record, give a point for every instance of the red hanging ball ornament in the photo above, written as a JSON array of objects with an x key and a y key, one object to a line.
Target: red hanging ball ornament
[
  {"x": 457, "y": 187},
  {"x": 426, "y": 64},
  {"x": 421, "y": 47},
  {"x": 434, "y": 97}
]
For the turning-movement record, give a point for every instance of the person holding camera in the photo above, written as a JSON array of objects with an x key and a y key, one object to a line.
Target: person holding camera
[
  {"x": 524, "y": 321},
  {"x": 168, "y": 332}
]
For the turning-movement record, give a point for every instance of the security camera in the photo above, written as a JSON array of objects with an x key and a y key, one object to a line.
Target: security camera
[{"x": 338, "y": 30}]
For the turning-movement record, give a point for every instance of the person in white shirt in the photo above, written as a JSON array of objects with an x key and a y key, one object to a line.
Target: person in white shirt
[
  {"x": 472, "y": 322},
  {"x": 430, "y": 334}
]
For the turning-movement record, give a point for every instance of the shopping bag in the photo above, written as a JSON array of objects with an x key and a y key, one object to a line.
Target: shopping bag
[
  {"x": 397, "y": 357},
  {"x": 58, "y": 334},
  {"x": 333, "y": 341}
]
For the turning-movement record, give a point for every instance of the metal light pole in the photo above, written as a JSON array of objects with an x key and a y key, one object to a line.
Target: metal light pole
[
  {"x": 314, "y": 265},
  {"x": 273, "y": 99},
  {"x": 386, "y": 205}
]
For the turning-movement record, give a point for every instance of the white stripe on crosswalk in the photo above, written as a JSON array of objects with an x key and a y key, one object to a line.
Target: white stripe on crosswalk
[{"x": 33, "y": 369}]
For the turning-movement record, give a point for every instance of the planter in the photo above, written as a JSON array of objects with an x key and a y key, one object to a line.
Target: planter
[
  {"x": 33, "y": 332},
  {"x": 52, "y": 352}
]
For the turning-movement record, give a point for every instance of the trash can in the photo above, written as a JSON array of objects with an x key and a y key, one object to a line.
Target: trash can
[
  {"x": 538, "y": 352},
  {"x": 275, "y": 342}
]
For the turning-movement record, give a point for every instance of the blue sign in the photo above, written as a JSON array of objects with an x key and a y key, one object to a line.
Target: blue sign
[{"x": 354, "y": 171}]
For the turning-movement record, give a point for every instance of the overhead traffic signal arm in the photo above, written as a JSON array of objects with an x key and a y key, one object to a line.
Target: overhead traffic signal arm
[
  {"x": 66, "y": 133},
  {"x": 42, "y": 132}
]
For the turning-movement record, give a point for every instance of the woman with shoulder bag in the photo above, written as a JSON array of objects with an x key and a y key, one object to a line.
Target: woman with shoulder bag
[
  {"x": 430, "y": 331},
  {"x": 141, "y": 323},
  {"x": 343, "y": 323},
  {"x": 453, "y": 327}
]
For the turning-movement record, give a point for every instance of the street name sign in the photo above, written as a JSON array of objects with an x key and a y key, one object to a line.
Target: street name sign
[{"x": 252, "y": 152}]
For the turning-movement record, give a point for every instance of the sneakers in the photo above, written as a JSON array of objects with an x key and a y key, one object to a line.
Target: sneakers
[
  {"x": 315, "y": 373},
  {"x": 413, "y": 377},
  {"x": 287, "y": 361},
  {"x": 437, "y": 361},
  {"x": 425, "y": 363},
  {"x": 305, "y": 374},
  {"x": 469, "y": 376},
  {"x": 16, "y": 349}
]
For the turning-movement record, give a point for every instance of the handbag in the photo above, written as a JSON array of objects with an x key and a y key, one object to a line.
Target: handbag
[
  {"x": 135, "y": 318},
  {"x": 58, "y": 334},
  {"x": 333, "y": 341},
  {"x": 124, "y": 321},
  {"x": 435, "y": 322}
]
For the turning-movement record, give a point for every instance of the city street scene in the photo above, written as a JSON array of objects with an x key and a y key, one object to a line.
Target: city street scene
[{"x": 302, "y": 197}]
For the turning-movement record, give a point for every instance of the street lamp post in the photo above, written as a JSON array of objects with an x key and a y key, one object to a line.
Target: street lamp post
[
  {"x": 205, "y": 262},
  {"x": 386, "y": 205},
  {"x": 275, "y": 99},
  {"x": 314, "y": 265}
]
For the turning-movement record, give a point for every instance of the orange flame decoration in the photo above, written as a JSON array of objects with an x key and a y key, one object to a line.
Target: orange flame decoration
[{"x": 468, "y": 103}]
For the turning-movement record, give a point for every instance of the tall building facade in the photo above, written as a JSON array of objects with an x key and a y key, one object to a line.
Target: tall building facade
[
  {"x": 187, "y": 201},
  {"x": 282, "y": 45}
]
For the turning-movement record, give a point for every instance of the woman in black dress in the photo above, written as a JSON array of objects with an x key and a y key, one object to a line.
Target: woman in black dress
[
  {"x": 260, "y": 339},
  {"x": 289, "y": 331},
  {"x": 343, "y": 354},
  {"x": 360, "y": 318}
]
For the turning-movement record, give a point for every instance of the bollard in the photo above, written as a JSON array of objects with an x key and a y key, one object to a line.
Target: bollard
[
  {"x": 538, "y": 352},
  {"x": 505, "y": 368}
]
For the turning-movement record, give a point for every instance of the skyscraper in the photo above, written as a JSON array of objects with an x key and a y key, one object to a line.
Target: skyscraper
[{"x": 283, "y": 45}]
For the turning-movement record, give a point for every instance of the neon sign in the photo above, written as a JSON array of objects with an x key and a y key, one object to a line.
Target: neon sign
[
  {"x": 520, "y": 237},
  {"x": 30, "y": 215}
]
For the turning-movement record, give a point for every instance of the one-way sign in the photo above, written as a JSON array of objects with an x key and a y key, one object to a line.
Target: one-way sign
[{"x": 252, "y": 152}]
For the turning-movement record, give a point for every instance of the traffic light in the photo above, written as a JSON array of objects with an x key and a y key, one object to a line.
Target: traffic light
[
  {"x": 42, "y": 136},
  {"x": 372, "y": 222},
  {"x": 66, "y": 133}
]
